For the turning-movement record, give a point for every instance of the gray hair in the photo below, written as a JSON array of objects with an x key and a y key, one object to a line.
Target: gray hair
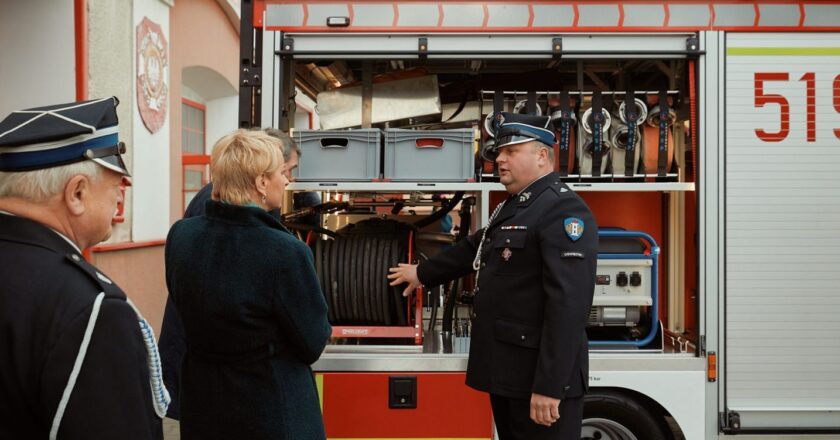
[
  {"x": 287, "y": 144},
  {"x": 40, "y": 185}
]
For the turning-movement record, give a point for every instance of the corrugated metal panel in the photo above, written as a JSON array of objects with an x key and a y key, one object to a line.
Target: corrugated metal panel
[{"x": 782, "y": 234}]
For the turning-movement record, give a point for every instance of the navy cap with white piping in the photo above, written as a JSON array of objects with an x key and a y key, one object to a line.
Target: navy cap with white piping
[
  {"x": 514, "y": 128},
  {"x": 62, "y": 134}
]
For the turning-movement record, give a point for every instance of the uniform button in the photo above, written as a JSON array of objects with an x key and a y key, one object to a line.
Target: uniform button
[
  {"x": 483, "y": 264},
  {"x": 474, "y": 315},
  {"x": 487, "y": 240},
  {"x": 523, "y": 337},
  {"x": 507, "y": 241},
  {"x": 76, "y": 257},
  {"x": 566, "y": 388}
]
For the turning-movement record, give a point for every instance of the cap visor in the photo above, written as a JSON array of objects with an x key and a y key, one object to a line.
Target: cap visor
[{"x": 114, "y": 163}]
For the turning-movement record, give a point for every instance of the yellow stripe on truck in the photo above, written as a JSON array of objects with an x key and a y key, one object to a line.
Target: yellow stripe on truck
[
  {"x": 783, "y": 51},
  {"x": 319, "y": 383}
]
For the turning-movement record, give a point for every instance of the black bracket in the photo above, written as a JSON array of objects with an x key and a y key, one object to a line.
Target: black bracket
[
  {"x": 288, "y": 46},
  {"x": 423, "y": 47},
  {"x": 557, "y": 47},
  {"x": 692, "y": 45},
  {"x": 250, "y": 77},
  {"x": 250, "y": 53},
  {"x": 730, "y": 422}
]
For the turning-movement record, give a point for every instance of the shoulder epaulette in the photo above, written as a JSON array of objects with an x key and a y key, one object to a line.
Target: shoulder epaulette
[
  {"x": 561, "y": 189},
  {"x": 106, "y": 284}
]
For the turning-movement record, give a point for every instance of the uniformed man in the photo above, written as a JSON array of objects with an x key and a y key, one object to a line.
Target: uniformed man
[
  {"x": 535, "y": 278},
  {"x": 77, "y": 361}
]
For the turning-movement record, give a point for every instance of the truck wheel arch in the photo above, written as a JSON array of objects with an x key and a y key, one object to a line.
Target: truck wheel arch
[{"x": 628, "y": 408}]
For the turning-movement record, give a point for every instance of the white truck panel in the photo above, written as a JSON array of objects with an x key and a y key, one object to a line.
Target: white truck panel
[{"x": 783, "y": 229}]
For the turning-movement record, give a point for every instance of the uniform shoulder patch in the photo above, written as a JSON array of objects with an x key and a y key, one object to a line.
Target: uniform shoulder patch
[{"x": 574, "y": 228}]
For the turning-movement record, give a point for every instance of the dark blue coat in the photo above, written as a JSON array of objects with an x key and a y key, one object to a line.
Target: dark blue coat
[
  {"x": 47, "y": 296},
  {"x": 171, "y": 341},
  {"x": 254, "y": 320}
]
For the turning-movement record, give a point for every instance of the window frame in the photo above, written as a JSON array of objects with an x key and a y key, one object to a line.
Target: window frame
[{"x": 189, "y": 159}]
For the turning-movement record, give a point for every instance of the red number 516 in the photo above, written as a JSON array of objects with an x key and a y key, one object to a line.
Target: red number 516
[{"x": 761, "y": 99}]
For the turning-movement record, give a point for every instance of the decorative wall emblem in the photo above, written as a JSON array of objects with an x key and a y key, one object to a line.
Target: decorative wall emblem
[{"x": 152, "y": 74}]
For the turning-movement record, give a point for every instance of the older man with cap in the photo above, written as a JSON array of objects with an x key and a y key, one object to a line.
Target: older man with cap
[
  {"x": 534, "y": 267},
  {"x": 76, "y": 360}
]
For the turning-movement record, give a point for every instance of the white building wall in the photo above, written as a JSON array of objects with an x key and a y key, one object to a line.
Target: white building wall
[
  {"x": 37, "y": 54},
  {"x": 222, "y": 116},
  {"x": 151, "y": 151},
  {"x": 305, "y": 107}
]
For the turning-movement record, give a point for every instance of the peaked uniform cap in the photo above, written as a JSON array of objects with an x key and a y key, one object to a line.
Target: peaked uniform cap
[
  {"x": 62, "y": 134},
  {"x": 515, "y": 128}
]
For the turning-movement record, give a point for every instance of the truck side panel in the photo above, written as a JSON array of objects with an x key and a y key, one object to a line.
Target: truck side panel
[{"x": 782, "y": 230}]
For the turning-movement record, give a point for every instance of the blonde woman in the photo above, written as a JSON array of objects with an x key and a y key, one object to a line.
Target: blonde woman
[{"x": 253, "y": 312}]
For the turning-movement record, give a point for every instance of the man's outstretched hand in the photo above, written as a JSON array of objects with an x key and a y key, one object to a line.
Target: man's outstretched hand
[{"x": 404, "y": 273}]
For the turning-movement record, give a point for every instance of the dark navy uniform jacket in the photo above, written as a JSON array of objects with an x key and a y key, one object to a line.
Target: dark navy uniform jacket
[
  {"x": 47, "y": 293},
  {"x": 534, "y": 293}
]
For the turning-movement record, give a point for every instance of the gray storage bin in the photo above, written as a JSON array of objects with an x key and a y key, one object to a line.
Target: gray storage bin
[
  {"x": 338, "y": 155},
  {"x": 429, "y": 155}
]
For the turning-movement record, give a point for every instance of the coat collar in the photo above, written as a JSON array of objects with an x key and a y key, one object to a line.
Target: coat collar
[
  {"x": 243, "y": 215},
  {"x": 525, "y": 197},
  {"x": 23, "y": 230},
  {"x": 529, "y": 194}
]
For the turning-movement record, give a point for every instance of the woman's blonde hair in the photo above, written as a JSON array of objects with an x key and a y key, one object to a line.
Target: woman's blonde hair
[{"x": 238, "y": 159}]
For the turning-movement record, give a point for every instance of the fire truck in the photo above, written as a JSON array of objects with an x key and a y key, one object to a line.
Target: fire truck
[{"x": 704, "y": 136}]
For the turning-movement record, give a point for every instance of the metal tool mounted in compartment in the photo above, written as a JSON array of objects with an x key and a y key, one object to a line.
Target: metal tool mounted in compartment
[{"x": 599, "y": 136}]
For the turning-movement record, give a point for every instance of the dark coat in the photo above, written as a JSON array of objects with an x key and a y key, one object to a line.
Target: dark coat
[
  {"x": 534, "y": 294},
  {"x": 171, "y": 344},
  {"x": 254, "y": 320},
  {"x": 47, "y": 294}
]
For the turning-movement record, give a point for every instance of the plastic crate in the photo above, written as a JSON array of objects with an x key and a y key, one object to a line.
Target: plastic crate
[
  {"x": 429, "y": 155},
  {"x": 338, "y": 155}
]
